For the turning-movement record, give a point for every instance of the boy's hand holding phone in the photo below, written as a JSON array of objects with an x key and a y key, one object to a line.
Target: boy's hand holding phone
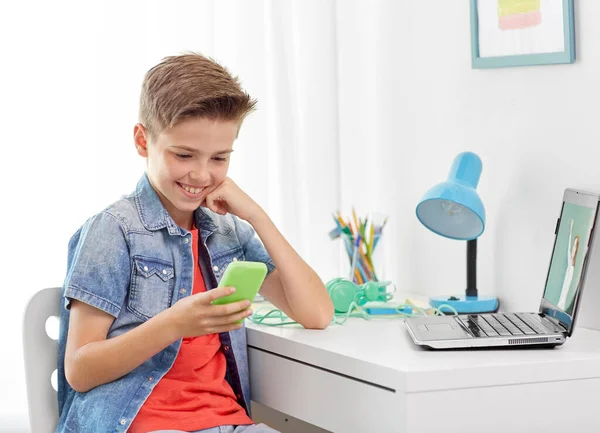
[
  {"x": 224, "y": 308},
  {"x": 196, "y": 315}
]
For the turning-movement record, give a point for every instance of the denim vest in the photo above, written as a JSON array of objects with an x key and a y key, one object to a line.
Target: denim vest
[{"x": 132, "y": 261}]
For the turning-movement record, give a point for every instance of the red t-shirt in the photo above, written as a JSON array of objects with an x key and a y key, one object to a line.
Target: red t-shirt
[{"x": 194, "y": 394}]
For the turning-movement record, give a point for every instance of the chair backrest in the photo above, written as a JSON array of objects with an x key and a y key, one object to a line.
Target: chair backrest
[{"x": 40, "y": 353}]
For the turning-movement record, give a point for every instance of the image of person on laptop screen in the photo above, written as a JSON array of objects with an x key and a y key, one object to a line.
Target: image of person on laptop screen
[
  {"x": 572, "y": 249},
  {"x": 569, "y": 256}
]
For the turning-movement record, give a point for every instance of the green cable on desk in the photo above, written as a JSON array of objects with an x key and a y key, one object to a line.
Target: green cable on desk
[{"x": 349, "y": 300}]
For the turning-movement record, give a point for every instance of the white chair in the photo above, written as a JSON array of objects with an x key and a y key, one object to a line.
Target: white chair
[{"x": 40, "y": 353}]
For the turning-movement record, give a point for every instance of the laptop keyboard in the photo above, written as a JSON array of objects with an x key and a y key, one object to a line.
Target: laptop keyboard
[{"x": 507, "y": 324}]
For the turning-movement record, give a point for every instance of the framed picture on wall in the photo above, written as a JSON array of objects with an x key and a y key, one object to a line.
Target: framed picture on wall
[{"x": 521, "y": 32}]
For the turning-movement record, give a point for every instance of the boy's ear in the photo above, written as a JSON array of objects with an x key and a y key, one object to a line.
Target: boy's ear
[{"x": 139, "y": 138}]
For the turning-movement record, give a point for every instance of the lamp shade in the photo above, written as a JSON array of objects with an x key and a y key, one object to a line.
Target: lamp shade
[{"x": 453, "y": 208}]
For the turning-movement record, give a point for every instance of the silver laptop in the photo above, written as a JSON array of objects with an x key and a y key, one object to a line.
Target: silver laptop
[{"x": 555, "y": 320}]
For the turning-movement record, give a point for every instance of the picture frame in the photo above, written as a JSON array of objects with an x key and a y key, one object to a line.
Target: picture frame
[{"x": 521, "y": 32}]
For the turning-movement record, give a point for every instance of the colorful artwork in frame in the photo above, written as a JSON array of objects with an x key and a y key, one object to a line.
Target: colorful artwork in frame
[{"x": 522, "y": 32}]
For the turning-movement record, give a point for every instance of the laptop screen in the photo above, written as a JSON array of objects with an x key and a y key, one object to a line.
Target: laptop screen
[{"x": 568, "y": 257}]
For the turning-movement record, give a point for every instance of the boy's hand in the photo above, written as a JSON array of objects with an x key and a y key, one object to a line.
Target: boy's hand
[
  {"x": 229, "y": 198},
  {"x": 195, "y": 315}
]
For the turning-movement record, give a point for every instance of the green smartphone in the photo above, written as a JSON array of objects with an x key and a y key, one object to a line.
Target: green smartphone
[{"x": 246, "y": 277}]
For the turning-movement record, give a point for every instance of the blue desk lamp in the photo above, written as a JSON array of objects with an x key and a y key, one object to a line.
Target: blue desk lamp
[{"x": 454, "y": 210}]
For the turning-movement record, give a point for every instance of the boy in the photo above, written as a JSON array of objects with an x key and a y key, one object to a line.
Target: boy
[{"x": 141, "y": 348}]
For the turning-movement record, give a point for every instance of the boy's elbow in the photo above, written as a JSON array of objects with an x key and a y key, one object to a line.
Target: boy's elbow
[
  {"x": 322, "y": 319},
  {"x": 81, "y": 388},
  {"x": 318, "y": 325},
  {"x": 76, "y": 382},
  {"x": 74, "y": 376}
]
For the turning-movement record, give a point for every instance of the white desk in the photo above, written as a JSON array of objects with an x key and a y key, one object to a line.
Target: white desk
[{"x": 368, "y": 377}]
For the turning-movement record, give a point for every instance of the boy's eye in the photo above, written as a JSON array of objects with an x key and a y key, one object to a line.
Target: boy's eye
[
  {"x": 220, "y": 158},
  {"x": 183, "y": 155}
]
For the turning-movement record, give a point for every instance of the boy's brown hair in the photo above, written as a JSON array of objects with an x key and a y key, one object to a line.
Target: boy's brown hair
[{"x": 190, "y": 85}]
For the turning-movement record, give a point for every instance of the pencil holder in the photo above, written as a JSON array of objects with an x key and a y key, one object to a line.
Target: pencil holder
[
  {"x": 361, "y": 244},
  {"x": 360, "y": 265}
]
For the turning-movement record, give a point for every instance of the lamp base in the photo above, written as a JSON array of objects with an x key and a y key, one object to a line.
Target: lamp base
[{"x": 466, "y": 304}]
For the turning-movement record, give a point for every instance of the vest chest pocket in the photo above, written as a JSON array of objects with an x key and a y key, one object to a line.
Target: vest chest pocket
[
  {"x": 223, "y": 260},
  {"x": 151, "y": 286}
]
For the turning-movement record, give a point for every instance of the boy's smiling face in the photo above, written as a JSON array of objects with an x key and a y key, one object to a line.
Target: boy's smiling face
[{"x": 187, "y": 162}]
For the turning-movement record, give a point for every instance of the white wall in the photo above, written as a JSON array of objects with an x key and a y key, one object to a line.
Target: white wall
[
  {"x": 407, "y": 103},
  {"x": 535, "y": 128}
]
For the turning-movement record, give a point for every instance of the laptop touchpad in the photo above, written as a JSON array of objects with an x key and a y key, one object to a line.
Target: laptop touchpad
[{"x": 439, "y": 327}]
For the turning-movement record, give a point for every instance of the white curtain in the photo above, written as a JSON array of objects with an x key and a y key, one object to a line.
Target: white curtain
[{"x": 71, "y": 74}]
